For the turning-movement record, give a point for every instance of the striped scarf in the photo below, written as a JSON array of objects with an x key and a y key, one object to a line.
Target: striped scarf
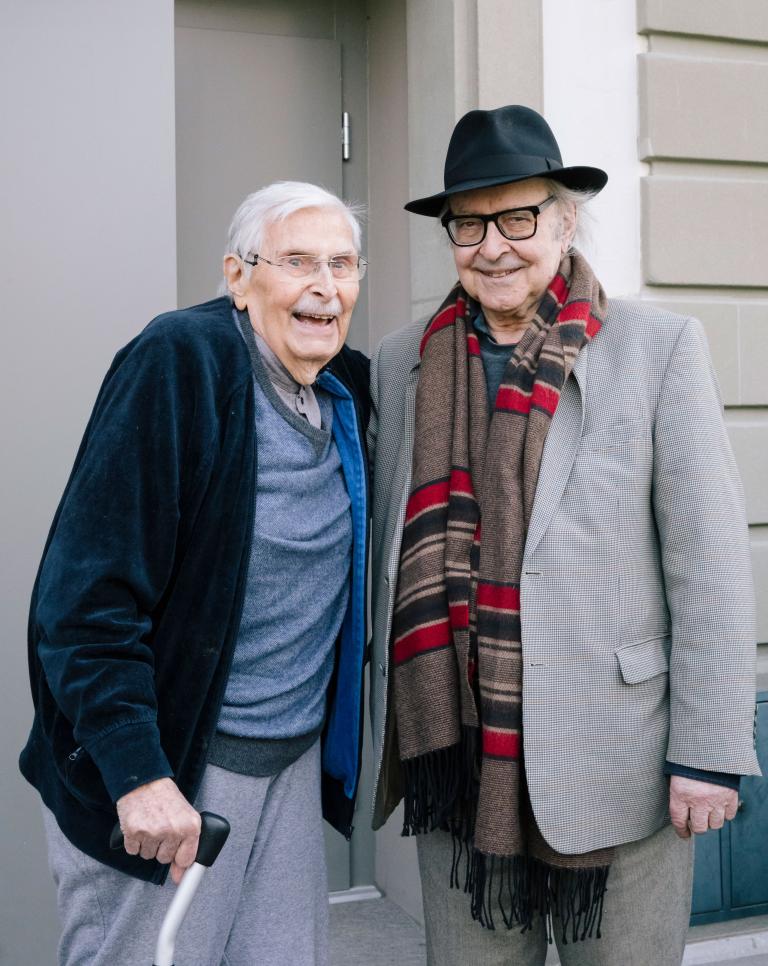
[{"x": 457, "y": 649}]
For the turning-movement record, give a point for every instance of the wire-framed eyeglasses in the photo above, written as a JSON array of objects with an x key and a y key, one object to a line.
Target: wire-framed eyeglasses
[
  {"x": 515, "y": 224},
  {"x": 343, "y": 268}
]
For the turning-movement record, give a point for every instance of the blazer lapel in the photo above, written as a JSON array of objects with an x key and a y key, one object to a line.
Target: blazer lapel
[{"x": 559, "y": 453}]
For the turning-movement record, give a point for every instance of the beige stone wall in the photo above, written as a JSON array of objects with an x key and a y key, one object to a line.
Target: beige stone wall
[{"x": 703, "y": 87}]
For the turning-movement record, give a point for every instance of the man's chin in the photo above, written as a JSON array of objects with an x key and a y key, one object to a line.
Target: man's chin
[{"x": 306, "y": 362}]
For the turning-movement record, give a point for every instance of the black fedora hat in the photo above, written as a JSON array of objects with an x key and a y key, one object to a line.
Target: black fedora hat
[{"x": 501, "y": 146}]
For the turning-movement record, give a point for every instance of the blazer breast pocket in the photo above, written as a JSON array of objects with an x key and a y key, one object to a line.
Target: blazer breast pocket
[
  {"x": 612, "y": 472},
  {"x": 621, "y": 435}
]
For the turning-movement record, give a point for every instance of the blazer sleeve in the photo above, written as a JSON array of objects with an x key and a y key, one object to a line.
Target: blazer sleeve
[
  {"x": 699, "y": 510},
  {"x": 108, "y": 561}
]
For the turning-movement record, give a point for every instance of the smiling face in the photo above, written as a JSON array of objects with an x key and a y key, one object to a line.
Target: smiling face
[
  {"x": 303, "y": 320},
  {"x": 508, "y": 278}
]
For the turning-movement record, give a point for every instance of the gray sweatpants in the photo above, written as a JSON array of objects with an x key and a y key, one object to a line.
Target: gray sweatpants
[
  {"x": 645, "y": 920},
  {"x": 264, "y": 902}
]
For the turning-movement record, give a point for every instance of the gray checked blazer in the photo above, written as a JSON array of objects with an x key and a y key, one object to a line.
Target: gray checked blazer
[{"x": 637, "y": 602}]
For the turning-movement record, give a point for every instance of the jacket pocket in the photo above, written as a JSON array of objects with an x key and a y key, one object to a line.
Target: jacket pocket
[
  {"x": 642, "y": 660},
  {"x": 633, "y": 432},
  {"x": 83, "y": 780}
]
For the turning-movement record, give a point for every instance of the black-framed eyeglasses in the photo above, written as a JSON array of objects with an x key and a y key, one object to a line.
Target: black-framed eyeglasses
[
  {"x": 343, "y": 268},
  {"x": 515, "y": 224}
]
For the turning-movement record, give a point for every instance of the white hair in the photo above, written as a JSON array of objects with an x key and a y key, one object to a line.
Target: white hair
[
  {"x": 578, "y": 198},
  {"x": 272, "y": 204}
]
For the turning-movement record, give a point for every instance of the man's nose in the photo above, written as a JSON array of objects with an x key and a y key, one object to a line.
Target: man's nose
[
  {"x": 323, "y": 282},
  {"x": 494, "y": 244}
]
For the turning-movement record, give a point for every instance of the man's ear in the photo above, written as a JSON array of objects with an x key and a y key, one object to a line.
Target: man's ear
[
  {"x": 568, "y": 226},
  {"x": 237, "y": 283}
]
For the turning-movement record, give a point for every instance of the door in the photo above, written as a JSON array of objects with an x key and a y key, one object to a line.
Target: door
[{"x": 250, "y": 109}]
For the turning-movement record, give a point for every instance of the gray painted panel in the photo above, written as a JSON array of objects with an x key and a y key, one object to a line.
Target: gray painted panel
[
  {"x": 744, "y": 20},
  {"x": 87, "y": 256},
  {"x": 748, "y": 432},
  {"x": 678, "y": 219},
  {"x": 689, "y": 109},
  {"x": 249, "y": 110},
  {"x": 753, "y": 353},
  {"x": 762, "y": 667},
  {"x": 290, "y": 18},
  {"x": 760, "y": 571},
  {"x": 389, "y": 245},
  {"x": 432, "y": 96},
  {"x": 502, "y": 26}
]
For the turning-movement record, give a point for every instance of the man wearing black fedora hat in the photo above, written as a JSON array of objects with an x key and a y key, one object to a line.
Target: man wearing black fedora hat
[{"x": 563, "y": 647}]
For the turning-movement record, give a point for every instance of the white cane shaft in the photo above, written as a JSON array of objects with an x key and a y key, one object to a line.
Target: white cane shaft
[{"x": 185, "y": 893}]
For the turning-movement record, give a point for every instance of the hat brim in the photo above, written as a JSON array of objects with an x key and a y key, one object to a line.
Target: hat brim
[{"x": 580, "y": 178}]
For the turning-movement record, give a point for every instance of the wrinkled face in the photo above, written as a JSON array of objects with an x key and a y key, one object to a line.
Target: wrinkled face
[
  {"x": 303, "y": 320},
  {"x": 508, "y": 278}
]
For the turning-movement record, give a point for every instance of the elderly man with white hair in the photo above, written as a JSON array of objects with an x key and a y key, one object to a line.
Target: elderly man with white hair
[{"x": 198, "y": 621}]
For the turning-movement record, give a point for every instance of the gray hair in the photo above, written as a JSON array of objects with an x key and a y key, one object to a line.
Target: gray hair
[
  {"x": 578, "y": 198},
  {"x": 272, "y": 204}
]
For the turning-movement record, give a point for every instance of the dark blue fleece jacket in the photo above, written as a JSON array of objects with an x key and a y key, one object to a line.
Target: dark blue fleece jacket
[{"x": 137, "y": 603}]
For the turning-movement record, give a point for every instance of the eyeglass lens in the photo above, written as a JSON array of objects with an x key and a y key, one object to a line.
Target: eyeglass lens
[
  {"x": 515, "y": 225},
  {"x": 343, "y": 268}
]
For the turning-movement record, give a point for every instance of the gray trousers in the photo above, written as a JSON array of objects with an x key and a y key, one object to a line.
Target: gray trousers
[
  {"x": 645, "y": 919},
  {"x": 264, "y": 902}
]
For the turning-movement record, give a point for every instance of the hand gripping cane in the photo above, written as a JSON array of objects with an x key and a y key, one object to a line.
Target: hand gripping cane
[{"x": 213, "y": 834}]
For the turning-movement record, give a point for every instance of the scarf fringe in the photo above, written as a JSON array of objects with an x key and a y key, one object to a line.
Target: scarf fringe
[
  {"x": 520, "y": 888},
  {"x": 441, "y": 790}
]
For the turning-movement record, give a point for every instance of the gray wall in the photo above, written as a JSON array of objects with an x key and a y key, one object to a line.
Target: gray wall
[
  {"x": 703, "y": 87},
  {"x": 87, "y": 256}
]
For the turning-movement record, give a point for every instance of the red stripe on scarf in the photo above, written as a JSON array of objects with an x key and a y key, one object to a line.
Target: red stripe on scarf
[
  {"x": 441, "y": 321},
  {"x": 543, "y": 397},
  {"x": 459, "y": 614},
  {"x": 433, "y": 495},
  {"x": 500, "y": 596},
  {"x": 580, "y": 311},
  {"x": 593, "y": 327},
  {"x": 574, "y": 310},
  {"x": 461, "y": 482},
  {"x": 513, "y": 400},
  {"x": 422, "y": 639},
  {"x": 473, "y": 344},
  {"x": 501, "y": 744},
  {"x": 471, "y": 669},
  {"x": 559, "y": 288}
]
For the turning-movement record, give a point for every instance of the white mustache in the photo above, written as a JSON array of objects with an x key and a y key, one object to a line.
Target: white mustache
[{"x": 310, "y": 306}]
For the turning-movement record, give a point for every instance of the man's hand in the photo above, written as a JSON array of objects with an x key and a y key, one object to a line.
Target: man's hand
[
  {"x": 157, "y": 822},
  {"x": 696, "y": 806}
]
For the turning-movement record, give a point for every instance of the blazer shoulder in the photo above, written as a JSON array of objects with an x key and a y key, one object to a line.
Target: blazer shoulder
[
  {"x": 399, "y": 351},
  {"x": 636, "y": 346},
  {"x": 634, "y": 318}
]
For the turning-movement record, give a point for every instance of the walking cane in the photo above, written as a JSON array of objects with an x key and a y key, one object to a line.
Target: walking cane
[{"x": 213, "y": 834}]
